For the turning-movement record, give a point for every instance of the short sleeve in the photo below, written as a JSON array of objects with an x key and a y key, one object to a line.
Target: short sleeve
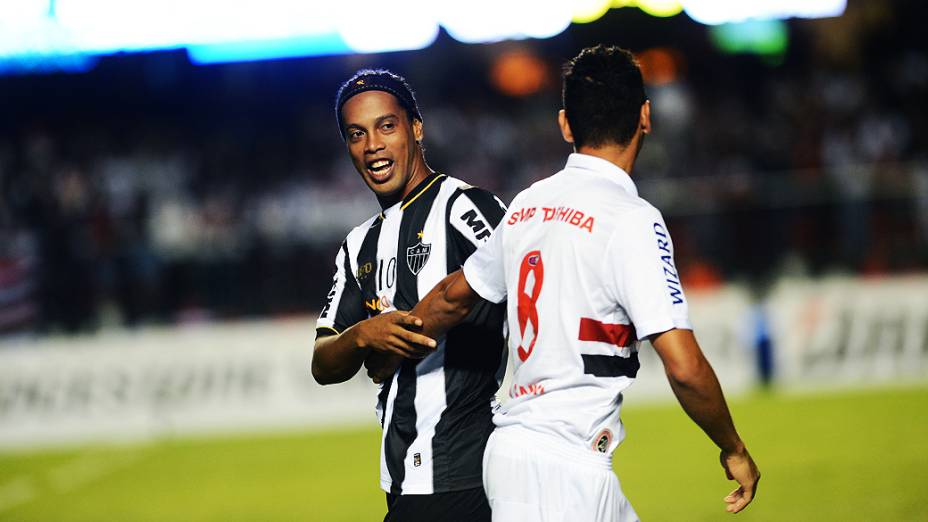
[
  {"x": 645, "y": 279},
  {"x": 484, "y": 269},
  {"x": 473, "y": 215},
  {"x": 343, "y": 307}
]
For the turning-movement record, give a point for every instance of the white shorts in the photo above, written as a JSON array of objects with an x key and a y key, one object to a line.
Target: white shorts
[{"x": 533, "y": 477}]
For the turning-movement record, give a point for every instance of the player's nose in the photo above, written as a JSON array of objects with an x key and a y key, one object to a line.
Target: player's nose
[{"x": 373, "y": 144}]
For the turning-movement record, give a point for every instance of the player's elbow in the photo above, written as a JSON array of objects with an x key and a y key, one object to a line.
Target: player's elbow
[
  {"x": 318, "y": 375},
  {"x": 321, "y": 374},
  {"x": 688, "y": 372}
]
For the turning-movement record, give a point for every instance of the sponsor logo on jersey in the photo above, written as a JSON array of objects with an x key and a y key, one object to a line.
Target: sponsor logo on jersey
[
  {"x": 517, "y": 390},
  {"x": 328, "y": 299},
  {"x": 364, "y": 271},
  {"x": 417, "y": 256},
  {"x": 377, "y": 305},
  {"x": 602, "y": 441},
  {"x": 567, "y": 215},
  {"x": 481, "y": 230},
  {"x": 674, "y": 289}
]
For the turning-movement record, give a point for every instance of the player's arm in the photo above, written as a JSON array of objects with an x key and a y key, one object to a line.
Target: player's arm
[
  {"x": 647, "y": 284},
  {"x": 336, "y": 358},
  {"x": 345, "y": 335},
  {"x": 473, "y": 214},
  {"x": 473, "y": 217},
  {"x": 697, "y": 389},
  {"x": 444, "y": 307}
]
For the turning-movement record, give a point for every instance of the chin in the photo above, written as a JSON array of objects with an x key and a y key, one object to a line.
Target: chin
[{"x": 386, "y": 191}]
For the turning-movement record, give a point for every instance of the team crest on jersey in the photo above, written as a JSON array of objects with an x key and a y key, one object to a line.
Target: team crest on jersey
[
  {"x": 602, "y": 441},
  {"x": 417, "y": 256}
]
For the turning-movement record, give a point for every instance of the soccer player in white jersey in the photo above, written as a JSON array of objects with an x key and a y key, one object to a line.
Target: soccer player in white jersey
[{"x": 587, "y": 268}]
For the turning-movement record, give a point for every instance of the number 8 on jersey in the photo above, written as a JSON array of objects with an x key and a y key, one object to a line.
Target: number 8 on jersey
[{"x": 527, "y": 306}]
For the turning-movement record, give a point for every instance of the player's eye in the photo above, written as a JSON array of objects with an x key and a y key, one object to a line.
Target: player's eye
[
  {"x": 388, "y": 126},
  {"x": 355, "y": 134}
]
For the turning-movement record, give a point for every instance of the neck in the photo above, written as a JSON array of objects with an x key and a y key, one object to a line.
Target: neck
[
  {"x": 619, "y": 155},
  {"x": 420, "y": 170}
]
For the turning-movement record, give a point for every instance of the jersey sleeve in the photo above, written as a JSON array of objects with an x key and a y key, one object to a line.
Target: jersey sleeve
[
  {"x": 344, "y": 306},
  {"x": 472, "y": 216},
  {"x": 645, "y": 279},
  {"x": 484, "y": 270}
]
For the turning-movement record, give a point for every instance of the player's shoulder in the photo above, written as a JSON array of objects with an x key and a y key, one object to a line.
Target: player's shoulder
[
  {"x": 458, "y": 188},
  {"x": 357, "y": 233},
  {"x": 463, "y": 194}
]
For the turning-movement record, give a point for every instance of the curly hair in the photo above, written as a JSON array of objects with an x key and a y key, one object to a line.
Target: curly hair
[{"x": 602, "y": 96}]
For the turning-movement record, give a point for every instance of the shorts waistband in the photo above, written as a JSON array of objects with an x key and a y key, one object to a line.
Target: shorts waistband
[{"x": 557, "y": 446}]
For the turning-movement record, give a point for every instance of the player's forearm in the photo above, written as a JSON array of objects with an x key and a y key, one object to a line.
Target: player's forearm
[
  {"x": 699, "y": 393},
  {"x": 338, "y": 358},
  {"x": 697, "y": 389},
  {"x": 446, "y": 305}
]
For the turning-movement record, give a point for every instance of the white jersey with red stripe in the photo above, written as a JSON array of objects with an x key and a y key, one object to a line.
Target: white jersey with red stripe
[{"x": 587, "y": 267}]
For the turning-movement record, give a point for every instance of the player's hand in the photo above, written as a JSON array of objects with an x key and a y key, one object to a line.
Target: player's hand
[
  {"x": 395, "y": 333},
  {"x": 739, "y": 466},
  {"x": 381, "y": 366}
]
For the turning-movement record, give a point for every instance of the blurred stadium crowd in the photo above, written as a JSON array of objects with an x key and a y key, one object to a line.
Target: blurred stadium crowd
[{"x": 150, "y": 190}]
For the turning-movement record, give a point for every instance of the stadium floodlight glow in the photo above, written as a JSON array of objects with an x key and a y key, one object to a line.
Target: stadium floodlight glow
[
  {"x": 223, "y": 30},
  {"x": 367, "y": 27},
  {"x": 660, "y": 8},
  {"x": 764, "y": 37},
  {"x": 586, "y": 11},
  {"x": 484, "y": 21},
  {"x": 714, "y": 12},
  {"x": 255, "y": 50},
  {"x": 543, "y": 23}
]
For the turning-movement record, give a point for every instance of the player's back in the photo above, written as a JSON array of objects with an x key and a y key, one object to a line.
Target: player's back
[{"x": 573, "y": 345}]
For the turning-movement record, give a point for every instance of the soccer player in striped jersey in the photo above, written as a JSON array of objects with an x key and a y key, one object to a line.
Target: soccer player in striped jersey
[
  {"x": 587, "y": 268},
  {"x": 436, "y": 407}
]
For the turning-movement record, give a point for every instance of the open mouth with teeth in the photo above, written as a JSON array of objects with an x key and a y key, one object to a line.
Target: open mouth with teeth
[{"x": 380, "y": 169}]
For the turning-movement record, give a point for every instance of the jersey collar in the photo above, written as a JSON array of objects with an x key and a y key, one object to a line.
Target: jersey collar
[
  {"x": 602, "y": 168},
  {"x": 414, "y": 194}
]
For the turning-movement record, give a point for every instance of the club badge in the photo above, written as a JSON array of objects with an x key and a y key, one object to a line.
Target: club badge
[
  {"x": 602, "y": 441},
  {"x": 417, "y": 256}
]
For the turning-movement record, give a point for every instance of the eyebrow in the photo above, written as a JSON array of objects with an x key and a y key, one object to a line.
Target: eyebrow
[{"x": 377, "y": 121}]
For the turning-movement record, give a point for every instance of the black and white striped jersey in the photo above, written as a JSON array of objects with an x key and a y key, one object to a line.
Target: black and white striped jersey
[{"x": 436, "y": 412}]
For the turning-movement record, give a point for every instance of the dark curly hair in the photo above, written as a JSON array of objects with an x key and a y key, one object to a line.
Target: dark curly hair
[{"x": 602, "y": 96}]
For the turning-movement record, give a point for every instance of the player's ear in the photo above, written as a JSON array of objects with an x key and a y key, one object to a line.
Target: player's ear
[
  {"x": 417, "y": 131},
  {"x": 565, "y": 126},
  {"x": 645, "y": 117}
]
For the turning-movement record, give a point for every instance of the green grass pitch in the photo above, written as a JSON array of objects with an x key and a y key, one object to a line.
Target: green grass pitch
[{"x": 859, "y": 455}]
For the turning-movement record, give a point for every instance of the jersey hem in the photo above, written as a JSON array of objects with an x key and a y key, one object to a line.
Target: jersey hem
[
  {"x": 325, "y": 331},
  {"x": 650, "y": 330},
  {"x": 480, "y": 287}
]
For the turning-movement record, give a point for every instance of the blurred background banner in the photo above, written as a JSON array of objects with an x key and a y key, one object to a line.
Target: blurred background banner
[
  {"x": 174, "y": 189},
  {"x": 157, "y": 382},
  {"x": 252, "y": 376}
]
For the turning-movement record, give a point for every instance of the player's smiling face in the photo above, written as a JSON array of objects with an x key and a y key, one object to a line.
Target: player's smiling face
[{"x": 382, "y": 144}]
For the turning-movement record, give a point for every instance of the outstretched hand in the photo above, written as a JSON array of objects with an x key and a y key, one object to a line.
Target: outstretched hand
[
  {"x": 739, "y": 466},
  {"x": 394, "y": 333}
]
